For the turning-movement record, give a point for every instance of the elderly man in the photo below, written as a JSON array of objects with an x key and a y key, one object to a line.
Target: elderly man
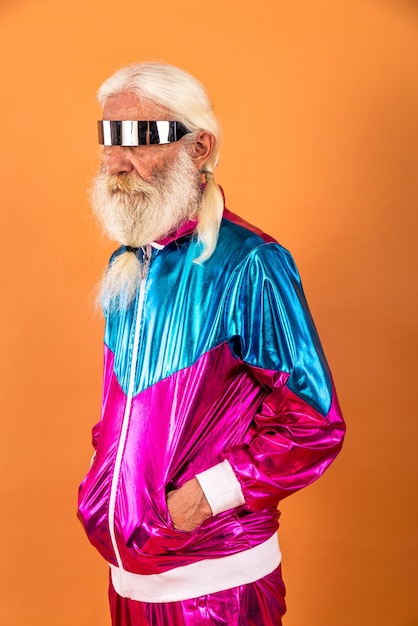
[{"x": 217, "y": 401}]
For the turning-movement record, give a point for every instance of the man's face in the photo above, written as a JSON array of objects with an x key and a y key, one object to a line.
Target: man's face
[
  {"x": 146, "y": 161},
  {"x": 143, "y": 193}
]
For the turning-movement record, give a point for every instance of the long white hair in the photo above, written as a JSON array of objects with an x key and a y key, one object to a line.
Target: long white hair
[{"x": 187, "y": 100}]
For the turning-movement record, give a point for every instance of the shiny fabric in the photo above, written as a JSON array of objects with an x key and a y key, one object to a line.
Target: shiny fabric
[
  {"x": 229, "y": 367},
  {"x": 258, "y": 604}
]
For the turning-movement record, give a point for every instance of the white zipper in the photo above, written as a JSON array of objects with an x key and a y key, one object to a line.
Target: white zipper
[{"x": 125, "y": 422}]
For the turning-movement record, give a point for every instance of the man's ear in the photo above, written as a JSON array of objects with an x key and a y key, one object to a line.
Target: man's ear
[{"x": 201, "y": 148}]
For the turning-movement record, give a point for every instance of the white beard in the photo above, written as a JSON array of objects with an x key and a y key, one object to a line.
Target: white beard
[{"x": 136, "y": 213}]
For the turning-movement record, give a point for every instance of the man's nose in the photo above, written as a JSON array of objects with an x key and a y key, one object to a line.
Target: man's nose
[{"x": 116, "y": 160}]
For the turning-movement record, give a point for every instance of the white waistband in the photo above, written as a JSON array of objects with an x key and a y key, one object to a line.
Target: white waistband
[{"x": 200, "y": 578}]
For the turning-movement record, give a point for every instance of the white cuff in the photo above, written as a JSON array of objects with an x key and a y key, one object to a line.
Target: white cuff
[{"x": 221, "y": 487}]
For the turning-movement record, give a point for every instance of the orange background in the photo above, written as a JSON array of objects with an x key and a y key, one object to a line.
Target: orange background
[{"x": 318, "y": 101}]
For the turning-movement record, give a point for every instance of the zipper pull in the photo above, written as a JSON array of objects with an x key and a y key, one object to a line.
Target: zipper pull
[{"x": 146, "y": 255}]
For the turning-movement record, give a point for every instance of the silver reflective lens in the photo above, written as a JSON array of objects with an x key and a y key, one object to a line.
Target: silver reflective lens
[{"x": 139, "y": 133}]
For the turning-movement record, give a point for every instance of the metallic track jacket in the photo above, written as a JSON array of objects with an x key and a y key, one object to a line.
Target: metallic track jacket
[{"x": 215, "y": 370}]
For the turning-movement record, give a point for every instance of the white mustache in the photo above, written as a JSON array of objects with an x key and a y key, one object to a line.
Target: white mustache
[{"x": 128, "y": 183}]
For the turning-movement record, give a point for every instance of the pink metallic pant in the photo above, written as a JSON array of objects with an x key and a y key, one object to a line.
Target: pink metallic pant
[{"x": 257, "y": 604}]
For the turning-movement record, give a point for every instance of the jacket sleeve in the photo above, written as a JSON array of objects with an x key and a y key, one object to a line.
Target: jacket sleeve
[{"x": 298, "y": 430}]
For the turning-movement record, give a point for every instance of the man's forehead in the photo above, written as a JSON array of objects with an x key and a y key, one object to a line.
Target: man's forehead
[{"x": 128, "y": 106}]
